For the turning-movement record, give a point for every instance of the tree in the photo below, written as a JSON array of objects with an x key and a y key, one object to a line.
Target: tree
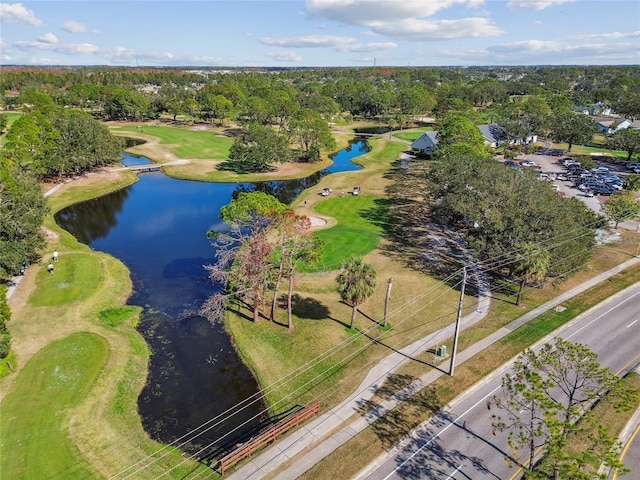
[
  {"x": 312, "y": 132},
  {"x": 521, "y": 119},
  {"x": 628, "y": 104},
  {"x": 356, "y": 282},
  {"x": 499, "y": 209},
  {"x": 456, "y": 129},
  {"x": 572, "y": 128},
  {"x": 627, "y": 139},
  {"x": 258, "y": 148},
  {"x": 548, "y": 397},
  {"x": 296, "y": 245},
  {"x": 532, "y": 263},
  {"x": 22, "y": 211},
  {"x": 631, "y": 182},
  {"x": 5, "y": 316},
  {"x": 621, "y": 206},
  {"x": 243, "y": 254}
]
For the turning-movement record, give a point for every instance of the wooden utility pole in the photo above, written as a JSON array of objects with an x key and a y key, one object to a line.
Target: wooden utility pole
[
  {"x": 458, "y": 317},
  {"x": 386, "y": 301}
]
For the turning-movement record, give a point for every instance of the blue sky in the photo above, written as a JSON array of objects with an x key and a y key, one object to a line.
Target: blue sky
[{"x": 320, "y": 33}]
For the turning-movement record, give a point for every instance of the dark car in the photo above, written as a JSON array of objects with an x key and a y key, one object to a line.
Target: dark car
[{"x": 604, "y": 190}]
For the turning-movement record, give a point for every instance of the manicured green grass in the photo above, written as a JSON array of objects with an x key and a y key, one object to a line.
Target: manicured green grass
[
  {"x": 34, "y": 433},
  {"x": 11, "y": 117},
  {"x": 584, "y": 150},
  {"x": 202, "y": 145},
  {"x": 356, "y": 233},
  {"x": 75, "y": 277},
  {"x": 114, "y": 317},
  {"x": 413, "y": 135}
]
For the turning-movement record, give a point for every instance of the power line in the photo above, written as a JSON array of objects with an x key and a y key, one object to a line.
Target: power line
[{"x": 506, "y": 258}]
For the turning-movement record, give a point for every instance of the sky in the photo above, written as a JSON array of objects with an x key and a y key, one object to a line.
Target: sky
[{"x": 320, "y": 33}]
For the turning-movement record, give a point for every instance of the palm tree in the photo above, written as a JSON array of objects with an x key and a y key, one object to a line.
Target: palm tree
[
  {"x": 532, "y": 263},
  {"x": 356, "y": 283}
]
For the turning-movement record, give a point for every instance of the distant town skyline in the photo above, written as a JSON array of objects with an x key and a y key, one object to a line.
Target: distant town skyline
[{"x": 320, "y": 33}]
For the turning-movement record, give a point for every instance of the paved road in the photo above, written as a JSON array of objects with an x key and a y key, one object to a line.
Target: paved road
[
  {"x": 460, "y": 443},
  {"x": 631, "y": 455}
]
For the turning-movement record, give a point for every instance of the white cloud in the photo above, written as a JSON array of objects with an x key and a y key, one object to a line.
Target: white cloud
[
  {"x": 536, "y": 4},
  {"x": 362, "y": 12},
  {"x": 526, "y": 46},
  {"x": 368, "y": 47},
  {"x": 406, "y": 19},
  {"x": 416, "y": 29},
  {"x": 548, "y": 52},
  {"x": 284, "y": 56},
  {"x": 309, "y": 41},
  {"x": 606, "y": 36},
  {"x": 114, "y": 55},
  {"x": 16, "y": 13},
  {"x": 72, "y": 26},
  {"x": 48, "y": 38},
  {"x": 341, "y": 44}
]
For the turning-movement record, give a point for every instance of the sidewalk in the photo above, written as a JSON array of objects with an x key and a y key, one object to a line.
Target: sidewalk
[{"x": 307, "y": 436}]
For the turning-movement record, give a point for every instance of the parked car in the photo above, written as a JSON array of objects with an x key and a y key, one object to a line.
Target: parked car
[
  {"x": 528, "y": 163},
  {"x": 511, "y": 164},
  {"x": 604, "y": 190},
  {"x": 633, "y": 166},
  {"x": 587, "y": 193}
]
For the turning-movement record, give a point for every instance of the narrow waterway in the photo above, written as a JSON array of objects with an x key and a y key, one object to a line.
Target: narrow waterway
[{"x": 157, "y": 227}]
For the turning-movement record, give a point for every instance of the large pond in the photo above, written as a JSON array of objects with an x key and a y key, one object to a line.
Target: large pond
[{"x": 158, "y": 227}]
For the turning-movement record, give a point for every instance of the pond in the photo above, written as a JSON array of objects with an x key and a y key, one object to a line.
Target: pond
[{"x": 158, "y": 227}]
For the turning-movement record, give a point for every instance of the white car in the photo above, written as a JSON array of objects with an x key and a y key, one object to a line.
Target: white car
[{"x": 528, "y": 163}]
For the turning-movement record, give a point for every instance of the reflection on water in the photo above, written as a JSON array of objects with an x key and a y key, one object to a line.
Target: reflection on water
[{"x": 157, "y": 227}]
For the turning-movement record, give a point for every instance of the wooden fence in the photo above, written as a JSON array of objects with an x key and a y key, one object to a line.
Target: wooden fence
[{"x": 268, "y": 436}]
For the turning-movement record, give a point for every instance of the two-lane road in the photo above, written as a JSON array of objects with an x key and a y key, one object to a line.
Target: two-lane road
[{"x": 460, "y": 442}]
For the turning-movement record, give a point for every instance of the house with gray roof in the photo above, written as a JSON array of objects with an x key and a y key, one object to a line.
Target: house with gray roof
[
  {"x": 427, "y": 144},
  {"x": 494, "y": 136}
]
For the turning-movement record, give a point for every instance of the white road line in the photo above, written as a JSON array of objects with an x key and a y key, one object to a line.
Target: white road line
[
  {"x": 632, "y": 323},
  {"x": 454, "y": 472},
  {"x": 444, "y": 429}
]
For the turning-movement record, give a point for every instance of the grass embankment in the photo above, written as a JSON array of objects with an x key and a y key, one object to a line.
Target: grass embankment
[
  {"x": 320, "y": 318},
  {"x": 413, "y": 134},
  {"x": 53, "y": 383},
  {"x": 71, "y": 406},
  {"x": 206, "y": 151},
  {"x": 11, "y": 117},
  {"x": 347, "y": 460}
]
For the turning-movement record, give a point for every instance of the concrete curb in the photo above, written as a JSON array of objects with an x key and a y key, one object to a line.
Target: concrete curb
[
  {"x": 321, "y": 450},
  {"x": 498, "y": 372}
]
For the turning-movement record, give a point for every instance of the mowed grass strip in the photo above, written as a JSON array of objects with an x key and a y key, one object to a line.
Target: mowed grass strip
[
  {"x": 354, "y": 235},
  {"x": 35, "y": 441},
  {"x": 75, "y": 277},
  {"x": 201, "y": 145},
  {"x": 347, "y": 460}
]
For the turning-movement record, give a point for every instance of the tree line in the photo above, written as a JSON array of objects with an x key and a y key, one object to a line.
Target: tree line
[{"x": 515, "y": 224}]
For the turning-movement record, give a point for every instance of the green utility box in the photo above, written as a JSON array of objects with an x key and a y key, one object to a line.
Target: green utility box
[{"x": 442, "y": 350}]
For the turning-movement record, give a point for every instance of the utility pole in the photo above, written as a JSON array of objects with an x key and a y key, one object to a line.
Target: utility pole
[
  {"x": 386, "y": 301},
  {"x": 458, "y": 317}
]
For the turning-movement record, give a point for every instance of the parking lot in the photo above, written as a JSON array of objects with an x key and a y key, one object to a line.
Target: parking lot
[{"x": 551, "y": 170}]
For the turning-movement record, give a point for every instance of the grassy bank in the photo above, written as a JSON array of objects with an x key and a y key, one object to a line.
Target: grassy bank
[
  {"x": 52, "y": 384},
  {"x": 349, "y": 459},
  {"x": 82, "y": 421},
  {"x": 99, "y": 432}
]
